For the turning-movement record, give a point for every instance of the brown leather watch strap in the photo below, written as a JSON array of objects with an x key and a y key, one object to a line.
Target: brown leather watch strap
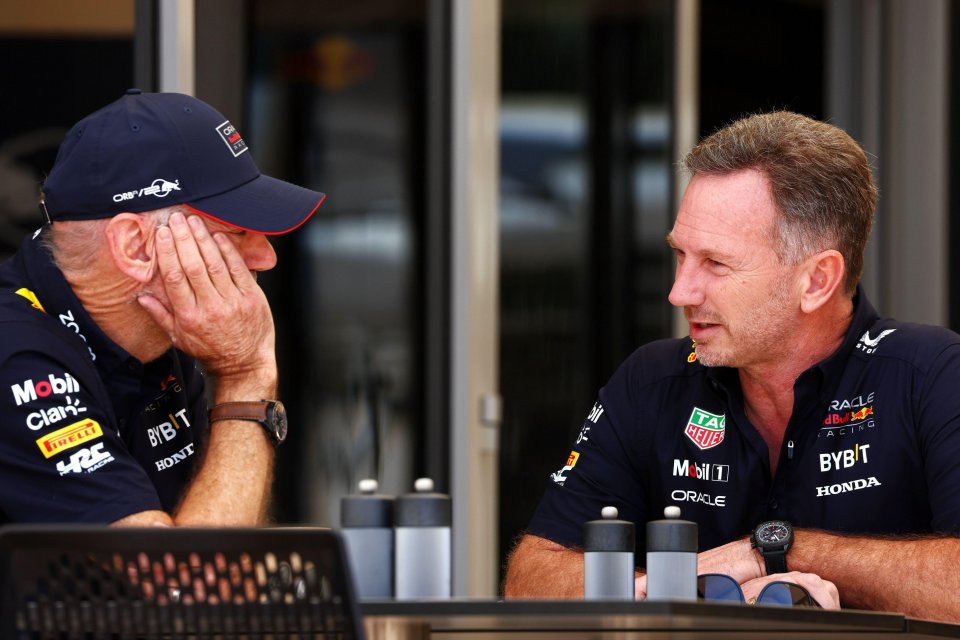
[{"x": 240, "y": 411}]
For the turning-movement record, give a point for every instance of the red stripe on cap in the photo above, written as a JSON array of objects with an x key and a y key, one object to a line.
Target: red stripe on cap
[{"x": 263, "y": 233}]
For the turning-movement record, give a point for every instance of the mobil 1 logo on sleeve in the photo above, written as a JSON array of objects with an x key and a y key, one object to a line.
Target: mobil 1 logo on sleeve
[{"x": 705, "y": 429}]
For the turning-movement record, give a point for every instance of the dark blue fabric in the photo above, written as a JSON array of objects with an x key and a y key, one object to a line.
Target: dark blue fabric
[
  {"x": 871, "y": 447},
  {"x": 133, "y": 433},
  {"x": 148, "y": 151}
]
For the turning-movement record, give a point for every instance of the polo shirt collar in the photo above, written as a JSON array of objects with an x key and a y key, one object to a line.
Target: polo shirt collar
[
  {"x": 825, "y": 375},
  {"x": 61, "y": 303}
]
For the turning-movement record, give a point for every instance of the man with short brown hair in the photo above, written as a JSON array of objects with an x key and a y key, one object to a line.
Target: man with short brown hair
[{"x": 791, "y": 407}]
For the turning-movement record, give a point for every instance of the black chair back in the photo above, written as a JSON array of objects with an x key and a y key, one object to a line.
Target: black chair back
[{"x": 99, "y": 582}]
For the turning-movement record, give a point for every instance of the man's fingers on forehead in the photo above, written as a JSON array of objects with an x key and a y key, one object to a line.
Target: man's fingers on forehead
[
  {"x": 165, "y": 244},
  {"x": 198, "y": 226}
]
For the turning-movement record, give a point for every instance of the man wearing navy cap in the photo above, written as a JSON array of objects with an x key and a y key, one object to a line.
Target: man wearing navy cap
[{"x": 155, "y": 224}]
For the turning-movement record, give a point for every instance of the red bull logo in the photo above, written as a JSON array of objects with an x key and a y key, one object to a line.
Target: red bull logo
[{"x": 833, "y": 419}]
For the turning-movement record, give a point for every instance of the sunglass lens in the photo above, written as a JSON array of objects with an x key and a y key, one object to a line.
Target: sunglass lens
[
  {"x": 718, "y": 587},
  {"x": 786, "y": 594}
]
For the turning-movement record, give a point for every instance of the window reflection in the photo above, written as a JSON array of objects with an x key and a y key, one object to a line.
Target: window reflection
[
  {"x": 585, "y": 191},
  {"x": 332, "y": 106}
]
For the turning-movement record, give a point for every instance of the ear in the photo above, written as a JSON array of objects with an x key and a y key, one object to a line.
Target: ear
[
  {"x": 822, "y": 274},
  {"x": 130, "y": 238}
]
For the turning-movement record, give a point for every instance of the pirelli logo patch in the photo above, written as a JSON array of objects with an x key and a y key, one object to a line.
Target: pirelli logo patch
[{"x": 69, "y": 437}]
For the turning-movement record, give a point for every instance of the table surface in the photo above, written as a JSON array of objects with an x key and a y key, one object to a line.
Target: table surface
[{"x": 532, "y": 619}]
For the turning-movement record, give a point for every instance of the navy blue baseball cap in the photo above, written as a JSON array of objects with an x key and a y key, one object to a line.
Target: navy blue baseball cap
[{"x": 148, "y": 151}]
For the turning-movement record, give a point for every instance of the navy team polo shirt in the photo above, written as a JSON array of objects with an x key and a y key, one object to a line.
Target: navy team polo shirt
[
  {"x": 872, "y": 446},
  {"x": 89, "y": 433}
]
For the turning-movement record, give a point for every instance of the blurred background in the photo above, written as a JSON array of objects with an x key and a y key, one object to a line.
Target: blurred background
[{"x": 500, "y": 179}]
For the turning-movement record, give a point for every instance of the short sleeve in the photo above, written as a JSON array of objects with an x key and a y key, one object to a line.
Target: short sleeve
[
  {"x": 601, "y": 470},
  {"x": 938, "y": 417},
  {"x": 61, "y": 456}
]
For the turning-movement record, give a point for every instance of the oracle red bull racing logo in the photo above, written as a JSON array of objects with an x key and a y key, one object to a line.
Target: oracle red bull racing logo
[
  {"x": 705, "y": 429},
  {"x": 833, "y": 419},
  {"x": 231, "y": 137}
]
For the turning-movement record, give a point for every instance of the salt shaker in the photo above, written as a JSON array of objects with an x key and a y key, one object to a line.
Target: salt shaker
[
  {"x": 608, "y": 559},
  {"x": 366, "y": 522},
  {"x": 671, "y": 557},
  {"x": 423, "y": 565}
]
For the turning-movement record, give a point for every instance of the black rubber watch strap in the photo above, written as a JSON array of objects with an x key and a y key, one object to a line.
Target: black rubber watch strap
[{"x": 775, "y": 561}]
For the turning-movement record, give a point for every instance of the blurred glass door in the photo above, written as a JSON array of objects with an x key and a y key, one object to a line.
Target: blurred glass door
[
  {"x": 586, "y": 182},
  {"x": 335, "y": 102}
]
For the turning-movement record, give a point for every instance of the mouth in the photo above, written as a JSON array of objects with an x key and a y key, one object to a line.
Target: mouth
[{"x": 700, "y": 330}]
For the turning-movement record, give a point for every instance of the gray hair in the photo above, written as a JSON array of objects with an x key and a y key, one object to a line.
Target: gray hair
[
  {"x": 820, "y": 182},
  {"x": 75, "y": 245}
]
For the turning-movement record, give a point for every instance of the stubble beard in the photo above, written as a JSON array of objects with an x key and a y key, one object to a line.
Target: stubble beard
[{"x": 756, "y": 336}]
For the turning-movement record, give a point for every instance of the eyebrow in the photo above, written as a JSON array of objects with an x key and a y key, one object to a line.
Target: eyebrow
[{"x": 708, "y": 253}]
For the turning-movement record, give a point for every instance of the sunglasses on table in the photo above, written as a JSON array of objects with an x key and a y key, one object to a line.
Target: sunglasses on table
[{"x": 717, "y": 587}]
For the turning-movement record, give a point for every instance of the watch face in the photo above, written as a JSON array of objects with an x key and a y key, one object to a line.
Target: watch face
[{"x": 775, "y": 532}]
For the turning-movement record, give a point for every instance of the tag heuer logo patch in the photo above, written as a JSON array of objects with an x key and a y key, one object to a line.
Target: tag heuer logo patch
[
  {"x": 232, "y": 138},
  {"x": 705, "y": 429}
]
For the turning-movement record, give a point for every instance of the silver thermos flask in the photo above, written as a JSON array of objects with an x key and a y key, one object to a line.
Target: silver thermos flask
[
  {"x": 366, "y": 521},
  {"x": 608, "y": 558},
  {"x": 671, "y": 557},
  {"x": 423, "y": 565}
]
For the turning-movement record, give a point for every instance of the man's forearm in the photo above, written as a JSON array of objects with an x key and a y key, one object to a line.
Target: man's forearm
[
  {"x": 232, "y": 486},
  {"x": 541, "y": 568},
  {"x": 916, "y": 577}
]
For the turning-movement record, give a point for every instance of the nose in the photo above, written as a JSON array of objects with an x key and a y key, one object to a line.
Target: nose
[
  {"x": 687, "y": 290},
  {"x": 258, "y": 253}
]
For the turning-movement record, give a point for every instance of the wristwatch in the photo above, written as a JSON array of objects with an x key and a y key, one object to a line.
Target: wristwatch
[
  {"x": 773, "y": 539},
  {"x": 269, "y": 413}
]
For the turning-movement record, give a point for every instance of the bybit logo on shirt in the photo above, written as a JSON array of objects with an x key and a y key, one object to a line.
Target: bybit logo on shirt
[
  {"x": 844, "y": 459},
  {"x": 167, "y": 431}
]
